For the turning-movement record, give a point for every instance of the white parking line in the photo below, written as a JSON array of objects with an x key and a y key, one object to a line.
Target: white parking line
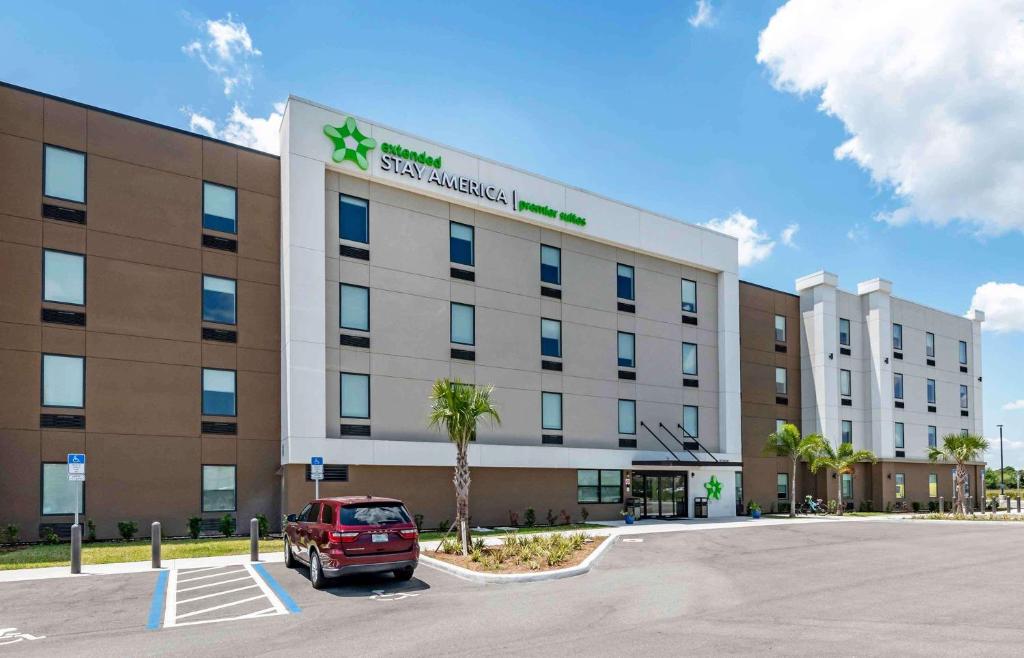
[
  {"x": 210, "y": 596},
  {"x": 223, "y": 599},
  {"x": 219, "y": 582},
  {"x": 218, "y": 607},
  {"x": 212, "y": 575}
]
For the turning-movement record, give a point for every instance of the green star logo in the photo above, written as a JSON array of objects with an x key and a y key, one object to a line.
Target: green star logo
[
  {"x": 714, "y": 488},
  {"x": 350, "y": 144}
]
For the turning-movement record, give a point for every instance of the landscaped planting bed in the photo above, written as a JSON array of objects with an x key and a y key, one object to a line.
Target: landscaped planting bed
[{"x": 521, "y": 553}]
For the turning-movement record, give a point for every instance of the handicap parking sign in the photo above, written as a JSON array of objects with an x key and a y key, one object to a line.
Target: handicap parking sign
[
  {"x": 76, "y": 467},
  {"x": 316, "y": 468}
]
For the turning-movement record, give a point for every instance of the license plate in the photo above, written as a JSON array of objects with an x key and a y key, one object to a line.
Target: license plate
[{"x": 380, "y": 538}]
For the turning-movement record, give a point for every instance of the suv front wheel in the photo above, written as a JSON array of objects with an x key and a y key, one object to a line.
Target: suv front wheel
[{"x": 289, "y": 559}]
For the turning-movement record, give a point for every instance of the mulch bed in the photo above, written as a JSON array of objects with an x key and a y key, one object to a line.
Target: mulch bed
[{"x": 465, "y": 562}]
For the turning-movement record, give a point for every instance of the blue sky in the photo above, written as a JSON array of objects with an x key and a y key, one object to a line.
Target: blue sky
[{"x": 650, "y": 106}]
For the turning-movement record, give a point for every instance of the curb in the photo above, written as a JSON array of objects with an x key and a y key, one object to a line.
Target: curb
[{"x": 556, "y": 574}]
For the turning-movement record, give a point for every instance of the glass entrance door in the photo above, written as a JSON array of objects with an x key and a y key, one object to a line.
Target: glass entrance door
[{"x": 663, "y": 494}]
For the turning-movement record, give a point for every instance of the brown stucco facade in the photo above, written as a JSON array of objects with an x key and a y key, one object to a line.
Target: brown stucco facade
[{"x": 142, "y": 239}]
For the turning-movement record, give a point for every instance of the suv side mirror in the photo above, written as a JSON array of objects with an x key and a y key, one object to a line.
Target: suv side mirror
[{"x": 292, "y": 518}]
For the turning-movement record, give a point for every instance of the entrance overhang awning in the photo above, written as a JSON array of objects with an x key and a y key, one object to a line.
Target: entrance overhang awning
[{"x": 667, "y": 463}]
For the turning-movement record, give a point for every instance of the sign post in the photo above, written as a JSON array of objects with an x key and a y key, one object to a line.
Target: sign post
[
  {"x": 316, "y": 472},
  {"x": 76, "y": 473}
]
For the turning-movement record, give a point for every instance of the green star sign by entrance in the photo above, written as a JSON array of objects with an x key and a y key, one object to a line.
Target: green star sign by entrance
[
  {"x": 350, "y": 144},
  {"x": 714, "y": 488}
]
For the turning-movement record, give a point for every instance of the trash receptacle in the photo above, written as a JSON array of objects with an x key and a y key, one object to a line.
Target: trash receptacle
[{"x": 700, "y": 508}]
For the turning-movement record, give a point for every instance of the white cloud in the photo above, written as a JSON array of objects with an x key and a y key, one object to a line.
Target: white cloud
[
  {"x": 1003, "y": 304},
  {"x": 703, "y": 14},
  {"x": 227, "y": 51},
  {"x": 1016, "y": 405},
  {"x": 755, "y": 245},
  {"x": 240, "y": 128},
  {"x": 929, "y": 92},
  {"x": 788, "y": 234},
  {"x": 857, "y": 233}
]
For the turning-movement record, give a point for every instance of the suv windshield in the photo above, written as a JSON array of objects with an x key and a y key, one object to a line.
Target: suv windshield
[{"x": 373, "y": 514}]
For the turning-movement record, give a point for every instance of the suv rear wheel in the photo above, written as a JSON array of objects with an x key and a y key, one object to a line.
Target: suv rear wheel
[
  {"x": 404, "y": 574},
  {"x": 289, "y": 559},
  {"x": 316, "y": 573}
]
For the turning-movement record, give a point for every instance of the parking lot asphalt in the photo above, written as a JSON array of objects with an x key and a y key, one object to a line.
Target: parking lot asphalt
[{"x": 844, "y": 588}]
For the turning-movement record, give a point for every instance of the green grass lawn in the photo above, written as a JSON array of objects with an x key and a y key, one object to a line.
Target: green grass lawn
[
  {"x": 56, "y": 555},
  {"x": 434, "y": 535}
]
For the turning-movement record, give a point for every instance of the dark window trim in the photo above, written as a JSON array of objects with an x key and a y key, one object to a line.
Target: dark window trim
[
  {"x": 903, "y": 434},
  {"x": 472, "y": 243},
  {"x": 85, "y": 174},
  {"x": 42, "y": 380},
  {"x": 202, "y": 298},
  {"x": 681, "y": 302},
  {"x": 600, "y": 483},
  {"x": 202, "y": 391},
  {"x": 553, "y": 356},
  {"x": 849, "y": 332},
  {"x": 618, "y": 424},
  {"x": 789, "y": 484},
  {"x": 342, "y": 195},
  {"x": 42, "y": 467},
  {"x": 896, "y": 347},
  {"x": 902, "y": 391},
  {"x": 541, "y": 253},
  {"x": 632, "y": 282},
  {"x": 451, "y": 323},
  {"x": 785, "y": 328},
  {"x": 341, "y": 323},
  {"x": 632, "y": 360},
  {"x": 696, "y": 359},
  {"x": 234, "y": 485},
  {"x": 696, "y": 434},
  {"x": 369, "y": 407},
  {"x": 561, "y": 410},
  {"x": 85, "y": 275},
  {"x": 202, "y": 216}
]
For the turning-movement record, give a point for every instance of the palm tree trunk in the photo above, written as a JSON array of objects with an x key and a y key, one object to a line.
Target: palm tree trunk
[
  {"x": 792, "y": 493},
  {"x": 461, "y": 481},
  {"x": 961, "y": 477},
  {"x": 839, "y": 494}
]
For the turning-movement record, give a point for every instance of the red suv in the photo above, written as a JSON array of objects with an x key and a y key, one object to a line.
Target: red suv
[{"x": 352, "y": 534}]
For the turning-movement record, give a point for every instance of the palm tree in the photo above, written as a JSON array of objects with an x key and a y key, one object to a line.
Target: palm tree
[
  {"x": 457, "y": 407},
  {"x": 842, "y": 460},
  {"x": 959, "y": 448},
  {"x": 787, "y": 442}
]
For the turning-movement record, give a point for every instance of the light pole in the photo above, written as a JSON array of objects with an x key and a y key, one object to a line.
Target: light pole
[{"x": 1002, "y": 473}]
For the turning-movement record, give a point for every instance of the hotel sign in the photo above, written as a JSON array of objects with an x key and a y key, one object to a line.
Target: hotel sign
[{"x": 351, "y": 145}]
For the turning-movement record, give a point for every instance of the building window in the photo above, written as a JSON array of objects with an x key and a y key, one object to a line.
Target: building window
[
  {"x": 551, "y": 411},
  {"x": 779, "y": 424},
  {"x": 354, "y": 307},
  {"x": 901, "y": 490},
  {"x": 963, "y": 352},
  {"x": 218, "y": 488},
  {"x": 689, "y": 295},
  {"x": 220, "y": 206},
  {"x": 624, "y": 281},
  {"x": 593, "y": 486},
  {"x": 59, "y": 494},
  {"x": 847, "y": 431},
  {"x": 218, "y": 299},
  {"x": 739, "y": 487},
  {"x": 463, "y": 320},
  {"x": 218, "y": 392},
  {"x": 847, "y": 485},
  {"x": 355, "y": 395},
  {"x": 845, "y": 383},
  {"x": 780, "y": 381},
  {"x": 933, "y": 485},
  {"x": 929, "y": 344},
  {"x": 897, "y": 336},
  {"x": 897, "y": 385},
  {"x": 691, "y": 421},
  {"x": 63, "y": 381},
  {"x": 899, "y": 436},
  {"x": 627, "y": 350},
  {"x": 64, "y": 174},
  {"x": 63, "y": 277},
  {"x": 550, "y": 264},
  {"x": 461, "y": 243},
  {"x": 689, "y": 359},
  {"x": 780, "y": 328},
  {"x": 963, "y": 396},
  {"x": 550, "y": 337},
  {"x": 354, "y": 219},
  {"x": 931, "y": 391},
  {"x": 782, "y": 486},
  {"x": 963, "y": 431},
  {"x": 627, "y": 416},
  {"x": 933, "y": 436},
  {"x": 844, "y": 332}
]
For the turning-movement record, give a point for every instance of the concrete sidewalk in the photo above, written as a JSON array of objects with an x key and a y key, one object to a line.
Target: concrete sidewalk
[{"x": 611, "y": 529}]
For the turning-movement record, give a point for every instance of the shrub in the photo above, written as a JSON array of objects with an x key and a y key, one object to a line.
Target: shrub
[
  {"x": 916, "y": 506},
  {"x": 227, "y": 525},
  {"x": 833, "y": 506},
  {"x": 550, "y": 517},
  {"x": 566, "y": 519},
  {"x": 418, "y": 518},
  {"x": 195, "y": 526},
  {"x": 127, "y": 529},
  {"x": 263, "y": 524},
  {"x": 888, "y": 508},
  {"x": 513, "y": 518},
  {"x": 866, "y": 506},
  {"x": 451, "y": 545},
  {"x": 478, "y": 544},
  {"x": 444, "y": 526},
  {"x": 933, "y": 506},
  {"x": 531, "y": 517},
  {"x": 585, "y": 513},
  {"x": 90, "y": 530},
  {"x": 47, "y": 534},
  {"x": 10, "y": 533}
]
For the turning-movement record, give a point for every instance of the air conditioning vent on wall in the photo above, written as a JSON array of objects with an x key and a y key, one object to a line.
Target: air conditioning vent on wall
[
  {"x": 58, "y": 316},
  {"x": 222, "y": 335},
  {"x": 354, "y": 252},
  {"x": 62, "y": 421},
  {"x": 780, "y": 348},
  {"x": 627, "y": 374},
  {"x": 217, "y": 427},
  {"x": 465, "y": 275},
  {"x": 332, "y": 473},
  {"x": 355, "y": 341},
  {"x": 551, "y": 365},
  {"x": 690, "y": 383},
  {"x": 627, "y": 308},
  {"x": 465, "y": 355},
  {"x": 689, "y": 319},
  {"x": 354, "y": 430},
  {"x": 217, "y": 242},
  {"x": 63, "y": 214},
  {"x": 550, "y": 292},
  {"x": 627, "y": 443},
  {"x": 551, "y": 439}
]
